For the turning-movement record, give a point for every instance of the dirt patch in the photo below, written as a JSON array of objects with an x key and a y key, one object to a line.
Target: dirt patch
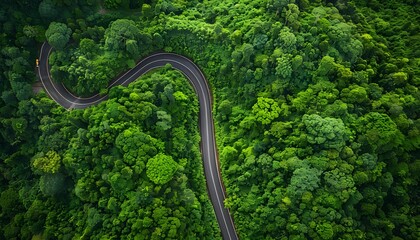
[{"x": 37, "y": 87}]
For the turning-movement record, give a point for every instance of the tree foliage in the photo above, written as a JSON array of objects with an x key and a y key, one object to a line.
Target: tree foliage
[
  {"x": 327, "y": 132},
  {"x": 265, "y": 110},
  {"x": 48, "y": 163},
  {"x": 161, "y": 168},
  {"x": 316, "y": 107},
  {"x": 58, "y": 35}
]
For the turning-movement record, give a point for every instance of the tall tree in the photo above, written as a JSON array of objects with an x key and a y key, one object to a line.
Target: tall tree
[{"x": 58, "y": 35}]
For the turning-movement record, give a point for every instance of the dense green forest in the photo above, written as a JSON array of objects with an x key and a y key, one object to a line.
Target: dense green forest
[{"x": 316, "y": 107}]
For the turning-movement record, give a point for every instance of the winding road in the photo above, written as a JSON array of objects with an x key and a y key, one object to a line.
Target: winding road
[{"x": 208, "y": 144}]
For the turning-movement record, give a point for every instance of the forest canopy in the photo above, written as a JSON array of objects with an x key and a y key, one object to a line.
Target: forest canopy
[{"x": 316, "y": 107}]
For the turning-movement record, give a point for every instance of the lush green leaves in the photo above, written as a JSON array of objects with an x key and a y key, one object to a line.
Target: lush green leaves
[
  {"x": 50, "y": 163},
  {"x": 326, "y": 132},
  {"x": 316, "y": 106},
  {"x": 161, "y": 168},
  {"x": 124, "y": 35},
  {"x": 379, "y": 131},
  {"x": 266, "y": 110},
  {"x": 52, "y": 184},
  {"x": 58, "y": 35}
]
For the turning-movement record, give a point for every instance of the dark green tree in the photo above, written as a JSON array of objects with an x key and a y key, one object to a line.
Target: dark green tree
[{"x": 58, "y": 35}]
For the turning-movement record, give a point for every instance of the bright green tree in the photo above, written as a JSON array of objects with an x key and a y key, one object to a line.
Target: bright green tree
[
  {"x": 48, "y": 163},
  {"x": 161, "y": 168},
  {"x": 48, "y": 9},
  {"x": 265, "y": 110}
]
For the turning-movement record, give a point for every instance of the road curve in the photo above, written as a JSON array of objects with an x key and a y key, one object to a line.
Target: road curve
[{"x": 208, "y": 144}]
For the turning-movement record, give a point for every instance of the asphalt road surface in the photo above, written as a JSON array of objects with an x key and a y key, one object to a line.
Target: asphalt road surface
[{"x": 208, "y": 144}]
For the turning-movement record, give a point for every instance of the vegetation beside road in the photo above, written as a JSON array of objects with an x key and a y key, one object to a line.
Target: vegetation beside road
[{"x": 316, "y": 108}]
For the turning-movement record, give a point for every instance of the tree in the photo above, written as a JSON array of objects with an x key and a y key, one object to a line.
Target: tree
[
  {"x": 287, "y": 40},
  {"x": 325, "y": 230},
  {"x": 260, "y": 40},
  {"x": 379, "y": 131},
  {"x": 161, "y": 168},
  {"x": 354, "y": 94},
  {"x": 280, "y": 129},
  {"x": 9, "y": 201},
  {"x": 93, "y": 219},
  {"x": 137, "y": 147},
  {"x": 19, "y": 125},
  {"x": 124, "y": 35},
  {"x": 236, "y": 37},
  {"x": 121, "y": 182},
  {"x": 261, "y": 60},
  {"x": 58, "y": 35},
  {"x": 341, "y": 36},
  {"x": 119, "y": 32},
  {"x": 265, "y": 110},
  {"x": 224, "y": 109},
  {"x": 48, "y": 9},
  {"x": 352, "y": 49},
  {"x": 327, "y": 66},
  {"x": 292, "y": 15},
  {"x": 339, "y": 32},
  {"x": 278, "y": 5},
  {"x": 114, "y": 4},
  {"x": 22, "y": 89},
  {"x": 303, "y": 179},
  {"x": 284, "y": 67},
  {"x": 326, "y": 132},
  {"x": 52, "y": 184},
  {"x": 164, "y": 122},
  {"x": 48, "y": 163},
  {"x": 248, "y": 52},
  {"x": 340, "y": 183},
  {"x": 88, "y": 47},
  {"x": 36, "y": 32},
  {"x": 146, "y": 10},
  {"x": 131, "y": 46}
]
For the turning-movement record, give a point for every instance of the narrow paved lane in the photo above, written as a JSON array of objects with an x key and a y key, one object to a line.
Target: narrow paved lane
[{"x": 208, "y": 149}]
